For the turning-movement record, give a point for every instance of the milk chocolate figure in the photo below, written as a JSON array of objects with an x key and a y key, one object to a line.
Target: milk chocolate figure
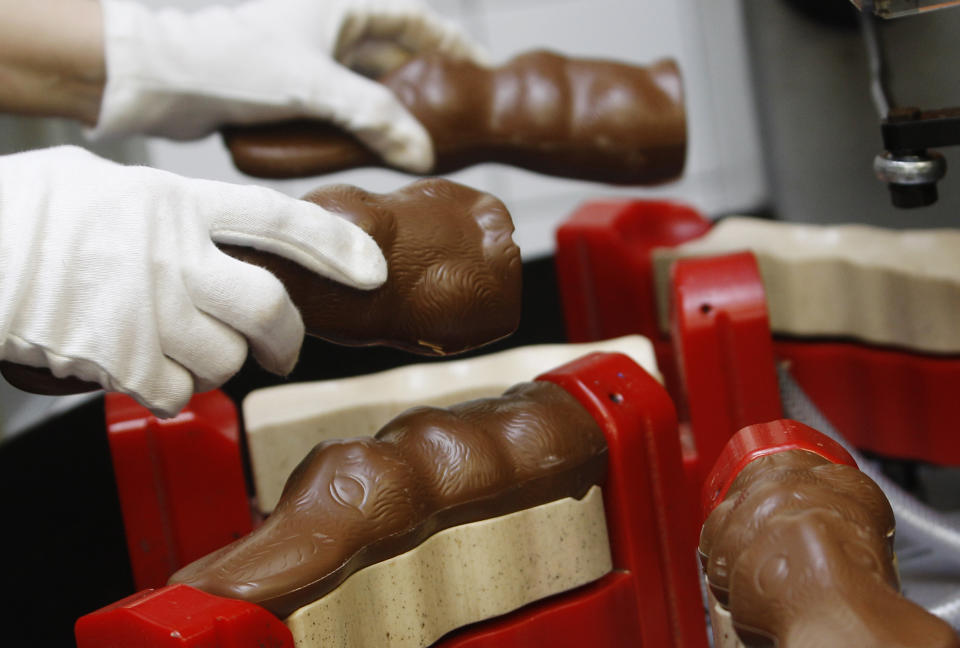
[
  {"x": 801, "y": 553},
  {"x": 576, "y": 118},
  {"x": 353, "y": 503},
  {"x": 453, "y": 284},
  {"x": 453, "y": 271}
]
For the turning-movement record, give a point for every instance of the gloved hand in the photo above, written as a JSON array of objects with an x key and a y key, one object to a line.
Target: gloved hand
[
  {"x": 110, "y": 273},
  {"x": 182, "y": 75}
]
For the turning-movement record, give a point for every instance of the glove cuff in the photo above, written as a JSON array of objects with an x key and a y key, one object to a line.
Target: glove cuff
[
  {"x": 182, "y": 75},
  {"x": 128, "y": 106}
]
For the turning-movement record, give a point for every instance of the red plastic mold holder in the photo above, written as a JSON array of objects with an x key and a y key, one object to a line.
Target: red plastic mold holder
[
  {"x": 723, "y": 350},
  {"x": 755, "y": 441},
  {"x": 605, "y": 269},
  {"x": 652, "y": 597},
  {"x": 180, "y": 482},
  {"x": 178, "y": 616},
  {"x": 890, "y": 401}
]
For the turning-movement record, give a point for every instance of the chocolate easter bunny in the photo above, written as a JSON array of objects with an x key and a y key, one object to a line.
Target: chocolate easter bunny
[{"x": 576, "y": 118}]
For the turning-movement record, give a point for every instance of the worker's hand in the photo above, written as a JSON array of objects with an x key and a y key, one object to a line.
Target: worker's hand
[
  {"x": 111, "y": 273},
  {"x": 372, "y": 35},
  {"x": 182, "y": 75}
]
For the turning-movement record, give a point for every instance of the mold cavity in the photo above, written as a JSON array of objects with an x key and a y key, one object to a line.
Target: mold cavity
[
  {"x": 616, "y": 398},
  {"x": 705, "y": 308}
]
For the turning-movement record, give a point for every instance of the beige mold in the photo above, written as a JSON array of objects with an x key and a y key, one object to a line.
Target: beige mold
[
  {"x": 462, "y": 575},
  {"x": 886, "y": 287},
  {"x": 283, "y": 423},
  {"x": 724, "y": 635}
]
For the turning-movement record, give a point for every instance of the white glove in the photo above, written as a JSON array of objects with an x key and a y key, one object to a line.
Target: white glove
[
  {"x": 110, "y": 273},
  {"x": 182, "y": 75}
]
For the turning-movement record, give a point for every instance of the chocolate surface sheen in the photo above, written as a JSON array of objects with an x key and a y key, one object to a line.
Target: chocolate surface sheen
[
  {"x": 576, "y": 118},
  {"x": 801, "y": 553},
  {"x": 453, "y": 270},
  {"x": 350, "y": 504}
]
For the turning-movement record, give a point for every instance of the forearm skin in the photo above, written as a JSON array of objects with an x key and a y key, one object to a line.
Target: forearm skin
[{"x": 52, "y": 58}]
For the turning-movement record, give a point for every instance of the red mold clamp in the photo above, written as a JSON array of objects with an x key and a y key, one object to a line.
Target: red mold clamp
[
  {"x": 605, "y": 269},
  {"x": 723, "y": 348},
  {"x": 888, "y": 401},
  {"x": 755, "y": 441},
  {"x": 180, "y": 482},
  {"x": 893, "y": 402},
  {"x": 179, "y": 617}
]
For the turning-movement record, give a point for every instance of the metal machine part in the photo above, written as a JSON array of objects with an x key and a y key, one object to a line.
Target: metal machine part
[
  {"x": 907, "y": 166},
  {"x": 912, "y": 178},
  {"x": 899, "y": 8}
]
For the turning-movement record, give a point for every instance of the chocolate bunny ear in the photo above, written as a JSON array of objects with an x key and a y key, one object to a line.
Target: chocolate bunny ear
[
  {"x": 801, "y": 554},
  {"x": 575, "y": 118}
]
